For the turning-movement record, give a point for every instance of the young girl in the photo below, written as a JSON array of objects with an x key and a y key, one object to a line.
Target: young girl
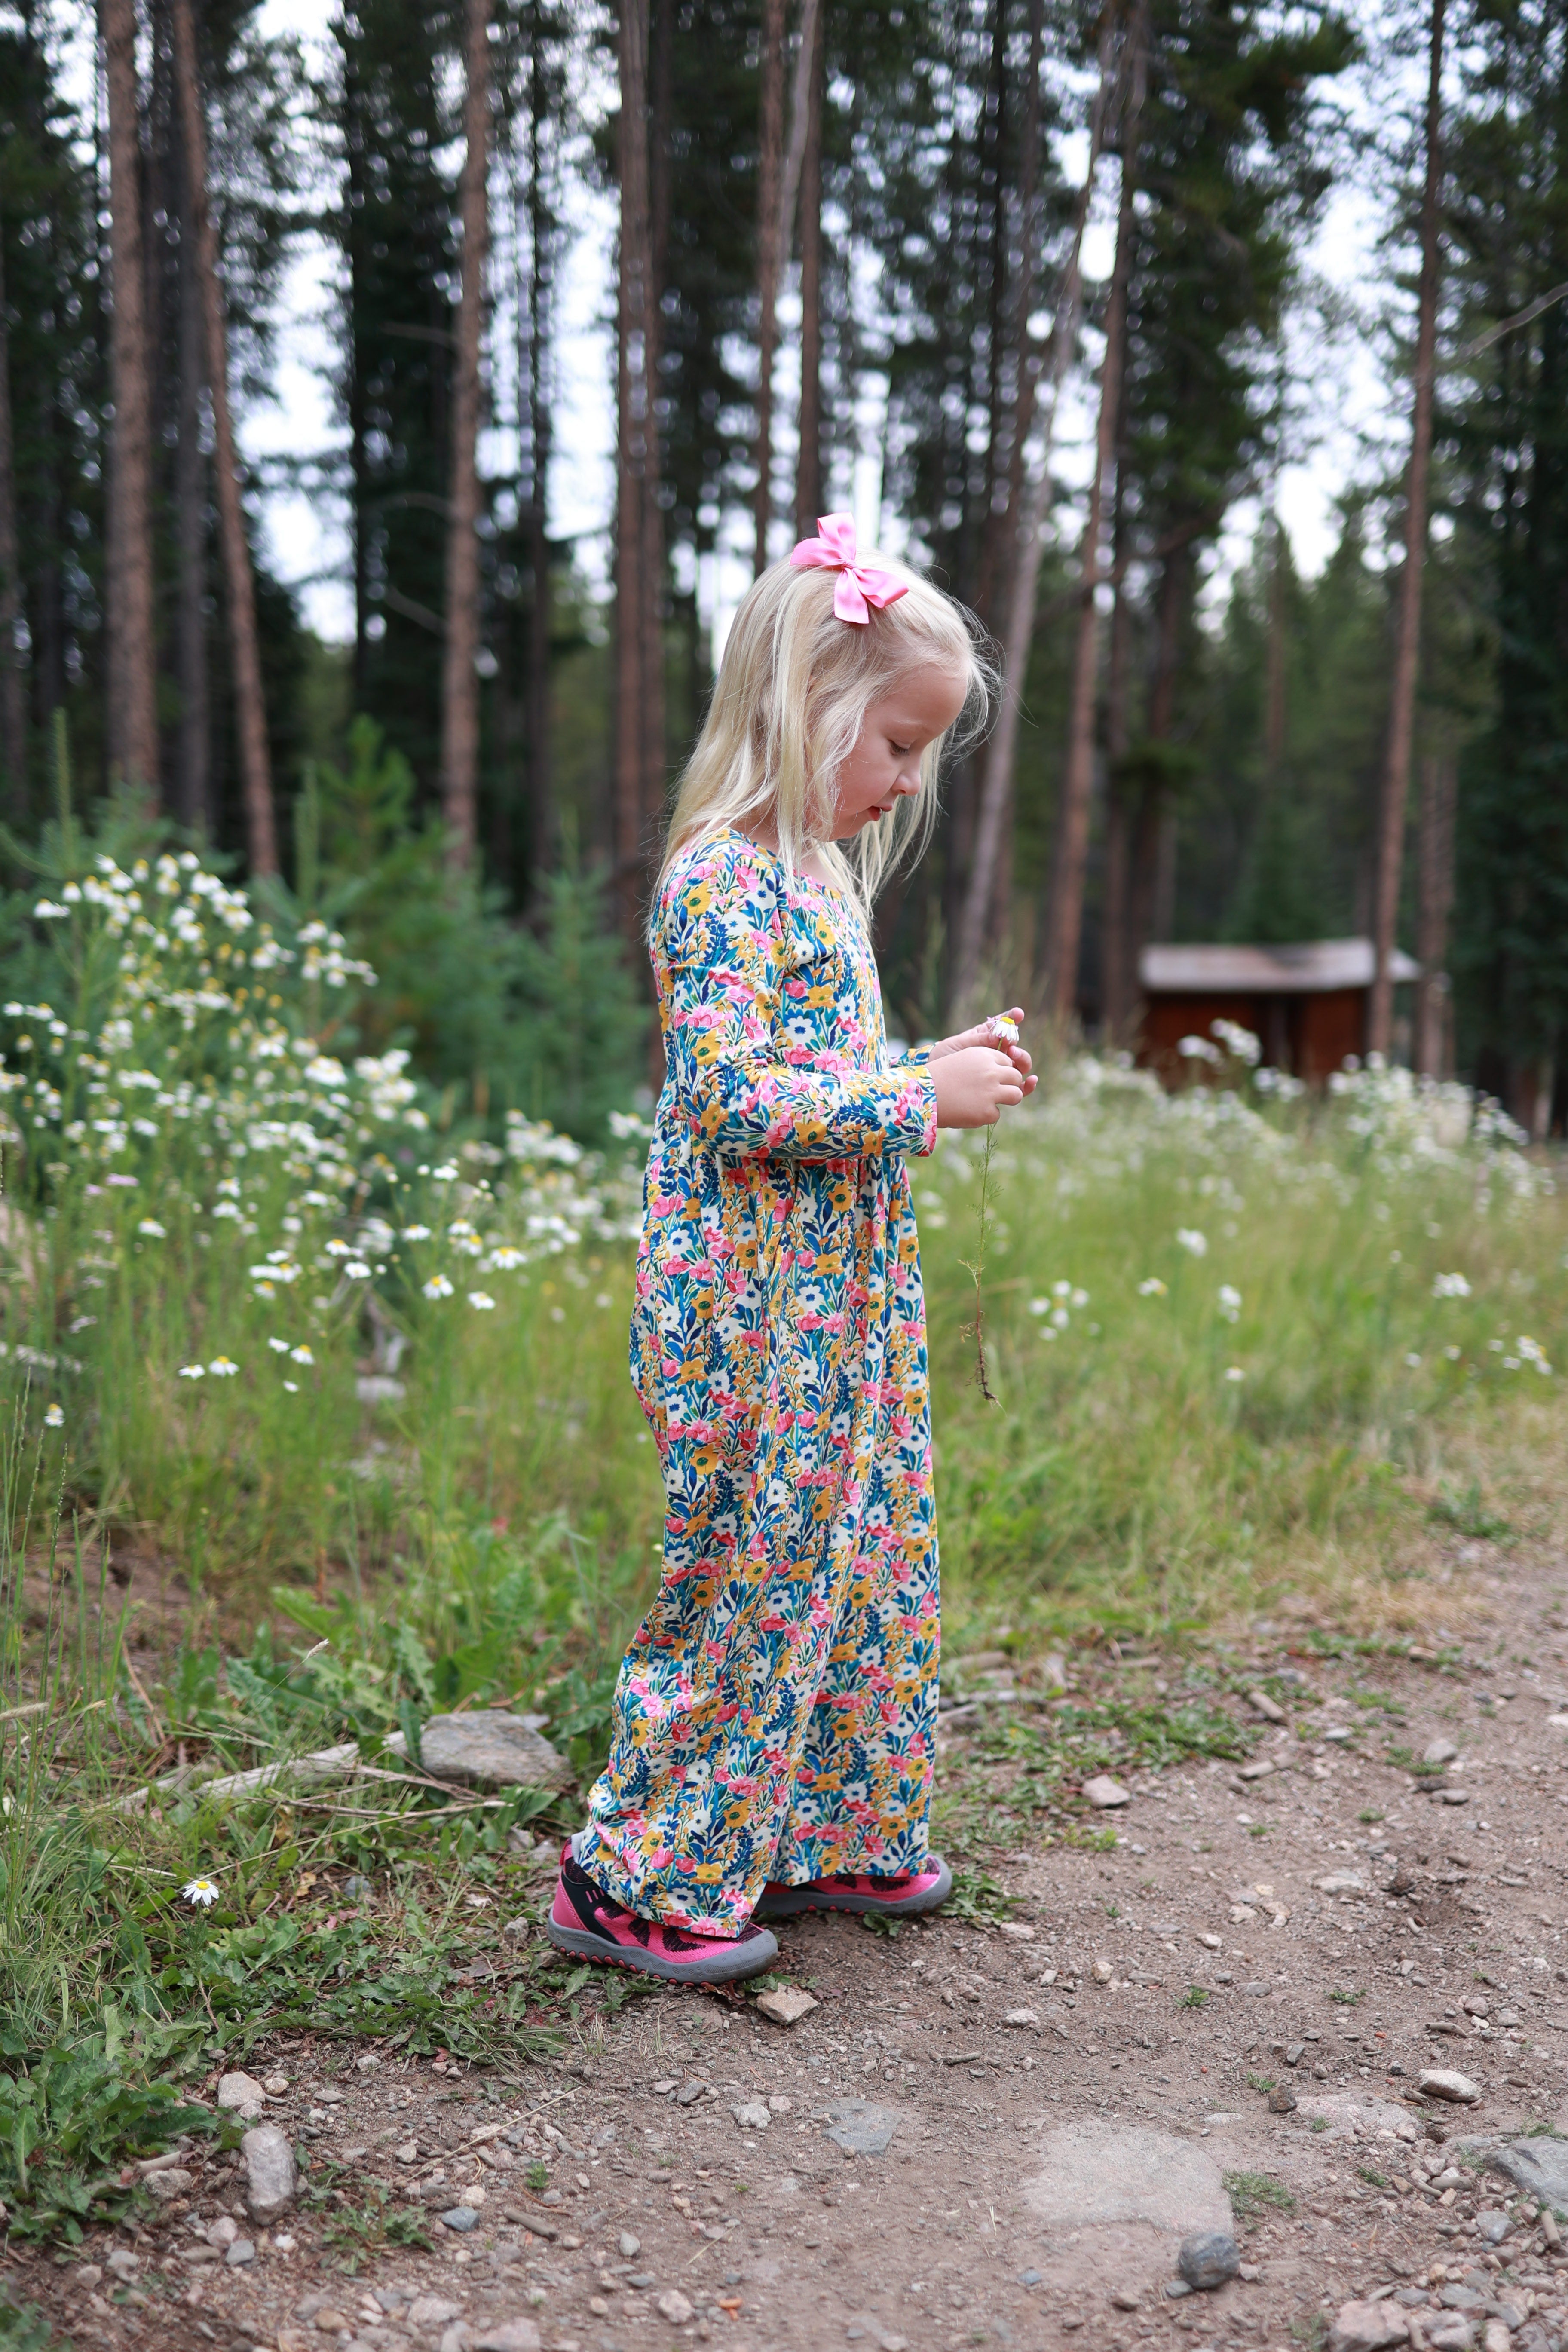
[{"x": 775, "y": 1714}]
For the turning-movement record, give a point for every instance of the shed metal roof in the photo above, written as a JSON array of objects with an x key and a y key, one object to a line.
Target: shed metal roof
[{"x": 1309, "y": 967}]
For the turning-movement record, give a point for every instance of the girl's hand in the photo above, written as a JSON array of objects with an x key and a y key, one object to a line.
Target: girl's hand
[
  {"x": 974, "y": 1085},
  {"x": 985, "y": 1033}
]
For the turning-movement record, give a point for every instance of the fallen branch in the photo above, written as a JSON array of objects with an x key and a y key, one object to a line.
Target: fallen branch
[{"x": 324, "y": 1764}]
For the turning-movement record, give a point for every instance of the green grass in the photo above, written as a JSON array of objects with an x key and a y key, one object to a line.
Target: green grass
[{"x": 1252, "y": 2193}]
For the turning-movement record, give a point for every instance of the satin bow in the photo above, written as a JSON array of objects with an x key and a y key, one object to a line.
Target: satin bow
[{"x": 859, "y": 584}]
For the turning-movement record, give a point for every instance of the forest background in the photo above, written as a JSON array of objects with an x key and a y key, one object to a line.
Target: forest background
[{"x": 809, "y": 198}]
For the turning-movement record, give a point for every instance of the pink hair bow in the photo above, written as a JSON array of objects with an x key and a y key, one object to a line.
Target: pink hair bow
[{"x": 859, "y": 584}]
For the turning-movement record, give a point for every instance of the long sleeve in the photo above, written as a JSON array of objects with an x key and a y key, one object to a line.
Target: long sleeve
[{"x": 728, "y": 981}]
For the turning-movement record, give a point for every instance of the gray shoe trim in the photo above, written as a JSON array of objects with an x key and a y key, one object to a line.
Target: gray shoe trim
[
  {"x": 723, "y": 1965},
  {"x": 791, "y": 1901}
]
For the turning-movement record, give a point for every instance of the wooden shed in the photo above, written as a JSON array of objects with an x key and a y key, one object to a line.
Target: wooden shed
[{"x": 1308, "y": 1003}]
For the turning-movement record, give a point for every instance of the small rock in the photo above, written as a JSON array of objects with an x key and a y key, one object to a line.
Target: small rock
[
  {"x": 1282, "y": 2101},
  {"x": 507, "y": 2335},
  {"x": 294, "y": 2339},
  {"x": 239, "y": 2253},
  {"x": 1463, "y": 2300},
  {"x": 428, "y": 2311},
  {"x": 1251, "y": 2272},
  {"x": 1102, "y": 1972},
  {"x": 122, "y": 2262},
  {"x": 243, "y": 2094},
  {"x": 330, "y": 2320},
  {"x": 1495, "y": 2336},
  {"x": 860, "y": 2129},
  {"x": 784, "y": 2005},
  {"x": 455, "y": 2338},
  {"x": 689, "y": 2092},
  {"x": 1176, "y": 2288},
  {"x": 673, "y": 2306},
  {"x": 1343, "y": 1882},
  {"x": 1022, "y": 2017},
  {"x": 1440, "y": 2082},
  {"x": 1016, "y": 1931},
  {"x": 460, "y": 2218},
  {"x": 1453, "y": 1796},
  {"x": 275, "y": 2085},
  {"x": 221, "y": 2233},
  {"x": 1207, "y": 2258},
  {"x": 473, "y": 2195},
  {"x": 492, "y": 1750},
  {"x": 166, "y": 2186},
  {"x": 1367, "y": 2327},
  {"x": 1106, "y": 1793},
  {"x": 780, "y": 2103},
  {"x": 1492, "y": 2226},
  {"x": 1126, "y": 2298},
  {"x": 1268, "y": 1708},
  {"x": 408, "y": 2153},
  {"x": 86, "y": 2274},
  {"x": 630, "y": 2246},
  {"x": 1449, "y": 2332},
  {"x": 1438, "y": 1752},
  {"x": 271, "y": 2181},
  {"x": 752, "y": 2115}
]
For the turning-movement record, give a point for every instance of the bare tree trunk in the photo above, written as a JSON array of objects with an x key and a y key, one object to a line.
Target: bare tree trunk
[
  {"x": 810, "y": 93},
  {"x": 1274, "y": 677},
  {"x": 770, "y": 255},
  {"x": 128, "y": 586},
  {"x": 460, "y": 674},
  {"x": 531, "y": 324},
  {"x": 1407, "y": 649},
  {"x": 194, "y": 750},
  {"x": 661, "y": 72},
  {"x": 240, "y": 583},
  {"x": 1435, "y": 899},
  {"x": 996, "y": 798},
  {"x": 1064, "y": 912},
  {"x": 636, "y": 697},
  {"x": 13, "y": 694}
]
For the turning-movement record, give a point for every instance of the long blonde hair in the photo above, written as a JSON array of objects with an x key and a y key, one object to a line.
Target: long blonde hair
[{"x": 791, "y": 699}]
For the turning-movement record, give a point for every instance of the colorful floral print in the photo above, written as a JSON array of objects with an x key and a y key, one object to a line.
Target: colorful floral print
[{"x": 775, "y": 1713}]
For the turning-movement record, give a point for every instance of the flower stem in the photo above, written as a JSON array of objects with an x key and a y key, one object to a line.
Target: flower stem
[{"x": 976, "y": 1266}]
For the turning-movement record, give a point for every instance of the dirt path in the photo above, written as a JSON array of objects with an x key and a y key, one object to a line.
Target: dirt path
[{"x": 1055, "y": 2104}]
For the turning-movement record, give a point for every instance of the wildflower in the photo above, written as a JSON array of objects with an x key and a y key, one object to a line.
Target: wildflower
[
  {"x": 278, "y": 1347},
  {"x": 300, "y": 1356},
  {"x": 292, "y": 1387},
  {"x": 1200, "y": 1049},
  {"x": 437, "y": 1287},
  {"x": 505, "y": 1259},
  {"x": 47, "y": 912},
  {"x": 357, "y": 1270},
  {"x": 1413, "y": 1363},
  {"x": 223, "y": 1368},
  {"x": 337, "y": 1249},
  {"x": 1039, "y": 1306},
  {"x": 1193, "y": 1240},
  {"x": 151, "y": 1228},
  {"x": 1450, "y": 1286},
  {"x": 1152, "y": 1287},
  {"x": 1452, "y": 1354},
  {"x": 415, "y": 1233},
  {"x": 446, "y": 1174},
  {"x": 481, "y": 1299},
  {"x": 1234, "y": 1373},
  {"x": 1229, "y": 1302},
  {"x": 55, "y": 1417},
  {"x": 200, "y": 1892},
  {"x": 602, "y": 1298},
  {"x": 1004, "y": 1029},
  {"x": 192, "y": 1371}
]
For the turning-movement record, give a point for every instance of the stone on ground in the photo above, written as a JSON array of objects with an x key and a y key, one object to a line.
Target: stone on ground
[
  {"x": 1106, "y": 1793},
  {"x": 271, "y": 2181},
  {"x": 1094, "y": 2173},
  {"x": 860, "y": 2129},
  {"x": 1208, "y": 2258},
  {"x": 491, "y": 1751},
  {"x": 786, "y": 2004},
  {"x": 1367, "y": 2327},
  {"x": 752, "y": 2115},
  {"x": 674, "y": 2308},
  {"x": 506, "y": 2336},
  {"x": 1441, "y": 2083},
  {"x": 243, "y": 2094},
  {"x": 1540, "y": 2166}
]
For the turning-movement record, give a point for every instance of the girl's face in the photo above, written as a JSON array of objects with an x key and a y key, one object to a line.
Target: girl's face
[{"x": 885, "y": 765}]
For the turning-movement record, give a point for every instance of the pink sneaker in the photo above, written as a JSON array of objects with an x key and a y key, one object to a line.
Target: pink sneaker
[
  {"x": 585, "y": 1920},
  {"x": 904, "y": 1897}
]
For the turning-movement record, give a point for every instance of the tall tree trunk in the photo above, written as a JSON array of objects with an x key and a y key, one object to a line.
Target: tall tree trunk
[
  {"x": 1003, "y": 286},
  {"x": 1275, "y": 668},
  {"x": 1435, "y": 899},
  {"x": 1151, "y": 860},
  {"x": 770, "y": 255},
  {"x": 459, "y": 673},
  {"x": 810, "y": 93},
  {"x": 531, "y": 321},
  {"x": 639, "y": 700},
  {"x": 662, "y": 85},
  {"x": 996, "y": 797},
  {"x": 128, "y": 586},
  {"x": 1064, "y": 909},
  {"x": 193, "y": 757},
  {"x": 1407, "y": 648},
  {"x": 240, "y": 583},
  {"x": 13, "y": 694}
]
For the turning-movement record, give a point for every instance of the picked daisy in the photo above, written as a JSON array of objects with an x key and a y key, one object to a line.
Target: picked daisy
[
  {"x": 201, "y": 1892},
  {"x": 1004, "y": 1029}
]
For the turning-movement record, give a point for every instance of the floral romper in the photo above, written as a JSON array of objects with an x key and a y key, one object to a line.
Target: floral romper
[{"x": 775, "y": 1714}]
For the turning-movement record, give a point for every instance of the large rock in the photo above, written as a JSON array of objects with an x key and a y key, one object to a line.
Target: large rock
[
  {"x": 1367, "y": 2327},
  {"x": 271, "y": 2181},
  {"x": 1538, "y": 2167},
  {"x": 860, "y": 2129},
  {"x": 505, "y": 2336},
  {"x": 1095, "y": 2174},
  {"x": 1207, "y": 2258},
  {"x": 1442, "y": 2082},
  {"x": 491, "y": 1751}
]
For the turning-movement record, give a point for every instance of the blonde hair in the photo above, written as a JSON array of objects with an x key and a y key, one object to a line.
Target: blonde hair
[{"x": 788, "y": 707}]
